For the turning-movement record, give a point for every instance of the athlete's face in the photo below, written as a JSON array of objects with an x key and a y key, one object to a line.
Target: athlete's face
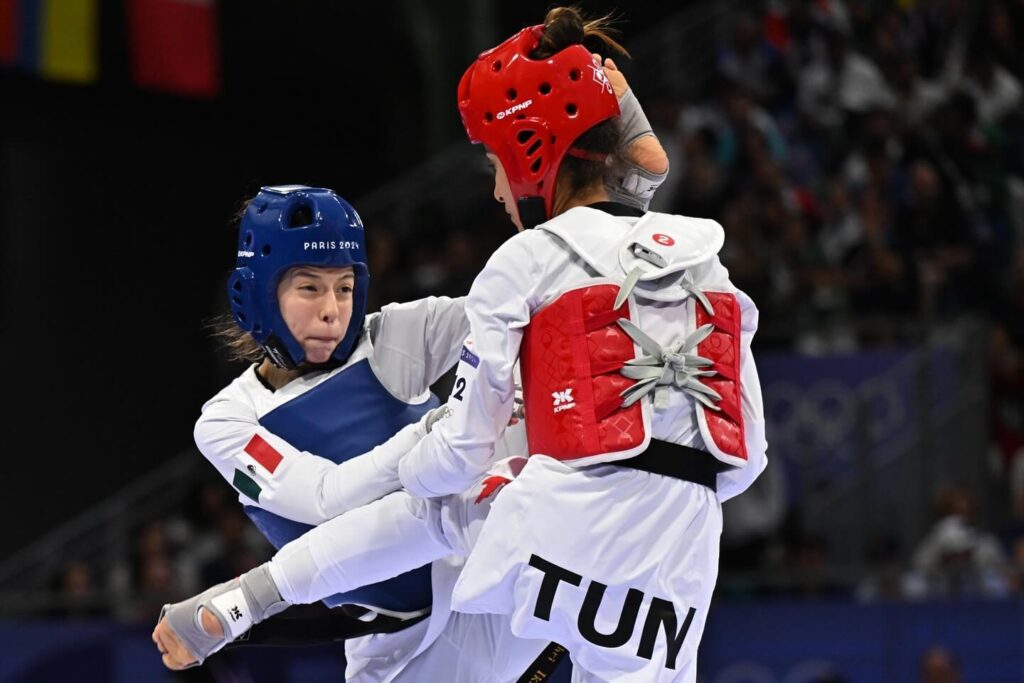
[
  {"x": 502, "y": 191},
  {"x": 316, "y": 304}
]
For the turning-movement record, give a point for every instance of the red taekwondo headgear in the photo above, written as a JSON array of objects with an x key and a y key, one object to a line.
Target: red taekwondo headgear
[{"x": 529, "y": 112}]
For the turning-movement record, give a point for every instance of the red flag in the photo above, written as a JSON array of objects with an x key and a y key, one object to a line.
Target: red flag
[
  {"x": 175, "y": 46},
  {"x": 8, "y": 31},
  {"x": 263, "y": 453}
]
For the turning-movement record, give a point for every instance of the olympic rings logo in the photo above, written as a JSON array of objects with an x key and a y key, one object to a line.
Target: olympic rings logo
[{"x": 807, "y": 422}]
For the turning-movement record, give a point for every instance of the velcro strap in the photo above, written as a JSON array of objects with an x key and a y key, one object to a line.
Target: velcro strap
[{"x": 234, "y": 611}]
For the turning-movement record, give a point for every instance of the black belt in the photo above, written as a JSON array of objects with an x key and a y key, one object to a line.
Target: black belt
[
  {"x": 678, "y": 462},
  {"x": 544, "y": 665}
]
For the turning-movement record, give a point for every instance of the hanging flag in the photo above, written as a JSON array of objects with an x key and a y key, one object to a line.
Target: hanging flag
[
  {"x": 8, "y": 32},
  {"x": 26, "y": 27},
  {"x": 69, "y": 32},
  {"x": 175, "y": 46}
]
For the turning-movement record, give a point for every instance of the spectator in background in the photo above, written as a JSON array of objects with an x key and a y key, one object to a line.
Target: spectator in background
[
  {"x": 701, "y": 190},
  {"x": 386, "y": 265},
  {"x": 460, "y": 259},
  {"x": 152, "y": 576},
  {"x": 956, "y": 558},
  {"x": 943, "y": 31},
  {"x": 882, "y": 282},
  {"x": 1007, "y": 386},
  {"x": 841, "y": 229},
  {"x": 916, "y": 97},
  {"x": 996, "y": 91},
  {"x": 235, "y": 548},
  {"x": 1002, "y": 31},
  {"x": 155, "y": 585},
  {"x": 78, "y": 595},
  {"x": 839, "y": 82},
  {"x": 754, "y": 63},
  {"x": 1016, "y": 573},
  {"x": 938, "y": 665},
  {"x": 875, "y": 164},
  {"x": 885, "y": 578},
  {"x": 933, "y": 230}
]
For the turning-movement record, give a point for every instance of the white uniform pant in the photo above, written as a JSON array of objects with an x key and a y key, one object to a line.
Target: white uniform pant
[
  {"x": 616, "y": 564},
  {"x": 448, "y": 646}
]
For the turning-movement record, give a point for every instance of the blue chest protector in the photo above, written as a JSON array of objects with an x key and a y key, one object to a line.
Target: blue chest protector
[{"x": 340, "y": 418}]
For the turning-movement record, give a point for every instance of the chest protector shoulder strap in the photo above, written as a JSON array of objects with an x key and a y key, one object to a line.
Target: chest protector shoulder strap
[{"x": 590, "y": 374}]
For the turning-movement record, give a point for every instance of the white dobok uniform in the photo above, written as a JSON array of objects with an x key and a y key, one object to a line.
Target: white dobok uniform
[
  {"x": 616, "y": 563},
  {"x": 249, "y": 432}
]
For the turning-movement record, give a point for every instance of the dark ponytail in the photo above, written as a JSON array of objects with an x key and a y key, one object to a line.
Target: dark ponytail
[
  {"x": 564, "y": 27},
  {"x": 238, "y": 345}
]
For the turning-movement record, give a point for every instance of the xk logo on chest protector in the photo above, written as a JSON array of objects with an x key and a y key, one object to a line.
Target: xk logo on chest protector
[{"x": 563, "y": 400}]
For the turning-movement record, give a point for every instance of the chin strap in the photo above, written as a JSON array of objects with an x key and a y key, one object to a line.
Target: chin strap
[{"x": 277, "y": 353}]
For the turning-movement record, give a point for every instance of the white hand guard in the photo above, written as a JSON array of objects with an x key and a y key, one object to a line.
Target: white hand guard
[{"x": 237, "y": 604}]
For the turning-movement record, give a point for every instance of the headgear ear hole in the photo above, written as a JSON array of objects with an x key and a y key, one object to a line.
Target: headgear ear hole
[
  {"x": 524, "y": 136},
  {"x": 535, "y": 166},
  {"x": 534, "y": 147},
  {"x": 237, "y": 285}
]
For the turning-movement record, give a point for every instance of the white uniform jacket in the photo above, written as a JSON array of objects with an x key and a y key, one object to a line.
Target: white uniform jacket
[
  {"x": 527, "y": 271},
  {"x": 408, "y": 347}
]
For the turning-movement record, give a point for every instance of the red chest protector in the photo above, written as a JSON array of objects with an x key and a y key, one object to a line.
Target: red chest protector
[
  {"x": 724, "y": 426},
  {"x": 571, "y": 355},
  {"x": 570, "y": 359}
]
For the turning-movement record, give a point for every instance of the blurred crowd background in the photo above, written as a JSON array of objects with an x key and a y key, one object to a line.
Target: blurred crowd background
[{"x": 866, "y": 158}]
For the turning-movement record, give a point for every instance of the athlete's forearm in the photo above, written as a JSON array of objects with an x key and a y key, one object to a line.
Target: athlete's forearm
[
  {"x": 641, "y": 165},
  {"x": 298, "y": 485},
  {"x": 439, "y": 467},
  {"x": 370, "y": 476}
]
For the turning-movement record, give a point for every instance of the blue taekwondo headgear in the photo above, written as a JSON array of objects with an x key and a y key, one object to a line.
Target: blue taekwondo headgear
[{"x": 275, "y": 234}]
